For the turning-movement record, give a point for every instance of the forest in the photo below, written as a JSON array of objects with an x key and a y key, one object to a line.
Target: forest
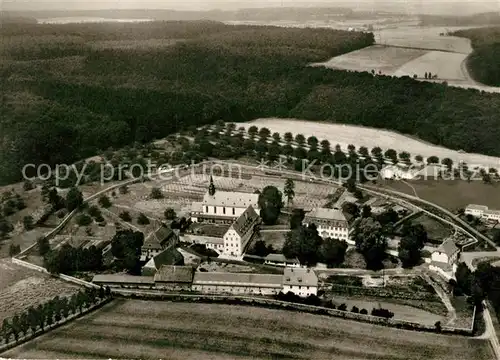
[
  {"x": 73, "y": 91},
  {"x": 483, "y": 63}
]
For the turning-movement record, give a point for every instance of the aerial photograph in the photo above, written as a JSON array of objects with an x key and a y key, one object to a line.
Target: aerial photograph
[{"x": 236, "y": 179}]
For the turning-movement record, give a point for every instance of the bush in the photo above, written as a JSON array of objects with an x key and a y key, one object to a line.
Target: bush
[
  {"x": 83, "y": 220},
  {"x": 342, "y": 307},
  {"x": 142, "y": 219},
  {"x": 156, "y": 193},
  {"x": 355, "y": 310},
  {"x": 125, "y": 216},
  {"x": 104, "y": 202},
  {"x": 363, "y": 311}
]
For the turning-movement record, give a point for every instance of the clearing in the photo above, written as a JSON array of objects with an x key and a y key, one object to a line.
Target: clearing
[
  {"x": 436, "y": 230},
  {"x": 386, "y": 59},
  {"x": 137, "y": 329},
  {"x": 370, "y": 137}
]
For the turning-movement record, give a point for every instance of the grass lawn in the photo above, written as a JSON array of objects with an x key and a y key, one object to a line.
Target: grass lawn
[
  {"x": 152, "y": 330},
  {"x": 450, "y": 194},
  {"x": 464, "y": 311},
  {"x": 274, "y": 238},
  {"x": 436, "y": 230}
]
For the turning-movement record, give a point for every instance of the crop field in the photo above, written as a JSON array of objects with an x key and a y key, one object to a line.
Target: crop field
[
  {"x": 21, "y": 288},
  {"x": 385, "y": 59},
  {"x": 451, "y": 194},
  {"x": 447, "y": 66},
  {"x": 370, "y": 137},
  {"x": 152, "y": 330}
]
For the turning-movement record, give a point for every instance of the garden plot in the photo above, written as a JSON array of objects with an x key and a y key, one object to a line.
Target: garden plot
[
  {"x": 137, "y": 329},
  {"x": 21, "y": 288},
  {"x": 370, "y": 137},
  {"x": 385, "y": 59},
  {"x": 446, "y": 65}
]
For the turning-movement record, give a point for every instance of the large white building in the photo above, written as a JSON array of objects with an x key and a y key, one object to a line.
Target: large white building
[
  {"x": 444, "y": 259},
  {"x": 483, "y": 212},
  {"x": 300, "y": 281},
  {"x": 223, "y": 206},
  {"x": 240, "y": 233},
  {"x": 331, "y": 223}
]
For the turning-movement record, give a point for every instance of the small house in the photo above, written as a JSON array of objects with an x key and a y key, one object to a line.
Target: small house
[{"x": 444, "y": 259}]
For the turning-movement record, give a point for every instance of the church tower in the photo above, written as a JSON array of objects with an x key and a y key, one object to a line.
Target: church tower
[{"x": 211, "y": 187}]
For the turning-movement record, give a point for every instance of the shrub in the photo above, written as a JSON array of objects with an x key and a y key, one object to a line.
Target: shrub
[
  {"x": 363, "y": 311},
  {"x": 355, "y": 310},
  {"x": 125, "y": 216},
  {"x": 342, "y": 307},
  {"x": 83, "y": 220},
  {"x": 104, "y": 202},
  {"x": 142, "y": 219},
  {"x": 156, "y": 193}
]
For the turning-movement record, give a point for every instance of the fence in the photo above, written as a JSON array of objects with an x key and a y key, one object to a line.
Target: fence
[
  {"x": 39, "y": 332},
  {"x": 243, "y": 300},
  {"x": 61, "y": 276}
]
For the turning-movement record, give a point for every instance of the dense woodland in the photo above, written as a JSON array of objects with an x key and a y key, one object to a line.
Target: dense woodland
[
  {"x": 484, "y": 62},
  {"x": 73, "y": 91}
]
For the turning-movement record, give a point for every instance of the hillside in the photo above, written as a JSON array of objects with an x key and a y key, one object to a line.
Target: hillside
[
  {"x": 72, "y": 91},
  {"x": 484, "y": 63}
]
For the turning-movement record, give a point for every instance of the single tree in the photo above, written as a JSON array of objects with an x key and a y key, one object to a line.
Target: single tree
[
  {"x": 270, "y": 204},
  {"x": 74, "y": 199},
  {"x": 104, "y": 202},
  {"x": 125, "y": 216},
  {"x": 142, "y": 219},
  {"x": 43, "y": 245},
  {"x": 156, "y": 194},
  {"x": 169, "y": 214},
  {"x": 253, "y": 131},
  {"x": 296, "y": 218},
  {"x": 288, "y": 137},
  {"x": 300, "y": 139},
  {"x": 289, "y": 190}
]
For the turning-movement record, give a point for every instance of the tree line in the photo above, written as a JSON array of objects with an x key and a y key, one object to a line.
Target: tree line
[
  {"x": 36, "y": 319},
  {"x": 234, "y": 74}
]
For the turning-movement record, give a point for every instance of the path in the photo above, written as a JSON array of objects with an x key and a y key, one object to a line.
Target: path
[{"x": 452, "y": 314}]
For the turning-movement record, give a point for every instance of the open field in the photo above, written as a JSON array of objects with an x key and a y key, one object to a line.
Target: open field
[
  {"x": 450, "y": 194},
  {"x": 147, "y": 330},
  {"x": 447, "y": 65},
  {"x": 21, "y": 288},
  {"x": 370, "y": 137},
  {"x": 385, "y": 59}
]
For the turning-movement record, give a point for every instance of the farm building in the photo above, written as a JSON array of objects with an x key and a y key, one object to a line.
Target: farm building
[
  {"x": 483, "y": 212},
  {"x": 157, "y": 242},
  {"x": 171, "y": 277},
  {"x": 169, "y": 256},
  {"x": 222, "y": 206},
  {"x": 211, "y": 242},
  {"x": 329, "y": 222},
  {"x": 300, "y": 281},
  {"x": 281, "y": 260},
  {"x": 241, "y": 232},
  {"x": 237, "y": 283},
  {"x": 444, "y": 259},
  {"x": 124, "y": 281}
]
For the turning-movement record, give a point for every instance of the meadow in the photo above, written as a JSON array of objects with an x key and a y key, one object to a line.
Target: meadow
[
  {"x": 147, "y": 330},
  {"x": 364, "y": 136}
]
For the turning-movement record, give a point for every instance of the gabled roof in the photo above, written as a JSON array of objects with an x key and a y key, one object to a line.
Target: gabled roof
[
  {"x": 299, "y": 277},
  {"x": 476, "y": 207},
  {"x": 237, "y": 279},
  {"x": 245, "y": 221},
  {"x": 281, "y": 258},
  {"x": 226, "y": 198},
  {"x": 168, "y": 257},
  {"x": 156, "y": 241},
  {"x": 326, "y": 214},
  {"x": 174, "y": 274},
  {"x": 123, "y": 279},
  {"x": 448, "y": 247}
]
